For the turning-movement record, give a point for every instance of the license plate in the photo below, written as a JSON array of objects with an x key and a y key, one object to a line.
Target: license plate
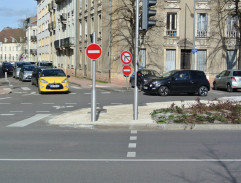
[
  {"x": 145, "y": 87},
  {"x": 54, "y": 86}
]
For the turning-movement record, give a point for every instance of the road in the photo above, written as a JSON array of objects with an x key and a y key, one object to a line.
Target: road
[{"x": 33, "y": 151}]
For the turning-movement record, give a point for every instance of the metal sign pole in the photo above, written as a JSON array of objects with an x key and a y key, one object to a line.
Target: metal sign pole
[
  {"x": 93, "y": 101},
  {"x": 136, "y": 60}
]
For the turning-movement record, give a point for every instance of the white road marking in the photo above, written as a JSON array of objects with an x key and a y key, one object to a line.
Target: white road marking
[
  {"x": 122, "y": 160},
  {"x": 133, "y": 131},
  {"x": 131, "y": 155},
  {"x": 15, "y": 111},
  {"x": 105, "y": 92},
  {"x": 133, "y": 137},
  {"x": 42, "y": 111},
  {"x": 76, "y": 87},
  {"x": 70, "y": 103},
  {"x": 132, "y": 145},
  {"x": 48, "y": 103},
  {"x": 7, "y": 114},
  {"x": 25, "y": 88},
  {"x": 87, "y": 93},
  {"x": 29, "y": 121},
  {"x": 26, "y": 103},
  {"x": 4, "y": 103},
  {"x": 5, "y": 98},
  {"x": 69, "y": 106}
]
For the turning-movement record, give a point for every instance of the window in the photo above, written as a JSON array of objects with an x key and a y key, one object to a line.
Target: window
[
  {"x": 202, "y": 24},
  {"x": 170, "y": 60},
  {"x": 231, "y": 59},
  {"x": 171, "y": 24},
  {"x": 231, "y": 23},
  {"x": 183, "y": 75},
  {"x": 201, "y": 60}
]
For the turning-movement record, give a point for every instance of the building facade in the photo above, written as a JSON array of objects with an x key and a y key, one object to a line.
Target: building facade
[
  {"x": 30, "y": 25},
  {"x": 43, "y": 33},
  {"x": 12, "y": 45}
]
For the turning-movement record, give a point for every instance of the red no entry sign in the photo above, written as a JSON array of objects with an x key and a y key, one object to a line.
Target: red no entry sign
[
  {"x": 126, "y": 57},
  {"x": 126, "y": 70},
  {"x": 93, "y": 51}
]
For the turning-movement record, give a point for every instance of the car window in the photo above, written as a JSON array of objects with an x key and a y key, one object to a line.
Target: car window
[
  {"x": 222, "y": 73},
  {"x": 183, "y": 75},
  {"x": 197, "y": 74},
  {"x": 45, "y": 64},
  {"x": 167, "y": 74},
  {"x": 236, "y": 73},
  {"x": 19, "y": 65},
  {"x": 50, "y": 73},
  {"x": 29, "y": 68},
  {"x": 226, "y": 73},
  {"x": 154, "y": 73}
]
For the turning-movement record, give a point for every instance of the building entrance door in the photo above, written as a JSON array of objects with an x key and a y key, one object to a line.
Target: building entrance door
[{"x": 185, "y": 59}]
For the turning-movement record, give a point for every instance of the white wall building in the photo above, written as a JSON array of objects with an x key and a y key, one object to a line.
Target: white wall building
[{"x": 43, "y": 34}]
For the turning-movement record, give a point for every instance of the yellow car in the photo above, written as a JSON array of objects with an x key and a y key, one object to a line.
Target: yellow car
[{"x": 53, "y": 80}]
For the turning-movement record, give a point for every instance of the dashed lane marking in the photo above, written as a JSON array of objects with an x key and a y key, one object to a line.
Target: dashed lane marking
[
  {"x": 29, "y": 121},
  {"x": 133, "y": 137},
  {"x": 5, "y": 98},
  {"x": 132, "y": 145},
  {"x": 25, "y": 88},
  {"x": 131, "y": 155},
  {"x": 7, "y": 114}
]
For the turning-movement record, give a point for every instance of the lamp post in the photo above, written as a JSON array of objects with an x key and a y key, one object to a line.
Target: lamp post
[{"x": 194, "y": 38}]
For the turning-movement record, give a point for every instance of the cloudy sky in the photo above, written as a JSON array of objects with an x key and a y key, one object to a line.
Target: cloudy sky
[{"x": 12, "y": 12}]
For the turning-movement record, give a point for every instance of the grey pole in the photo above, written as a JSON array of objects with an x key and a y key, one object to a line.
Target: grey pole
[
  {"x": 93, "y": 101},
  {"x": 136, "y": 60},
  {"x": 194, "y": 38},
  {"x": 77, "y": 29}
]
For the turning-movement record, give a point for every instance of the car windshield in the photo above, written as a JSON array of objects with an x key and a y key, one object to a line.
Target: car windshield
[
  {"x": 155, "y": 73},
  {"x": 167, "y": 74},
  {"x": 29, "y": 68},
  {"x": 46, "y": 64},
  {"x": 9, "y": 65},
  {"x": 52, "y": 73},
  {"x": 236, "y": 73}
]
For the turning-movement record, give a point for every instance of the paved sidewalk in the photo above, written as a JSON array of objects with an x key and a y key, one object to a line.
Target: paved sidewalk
[{"x": 4, "y": 86}]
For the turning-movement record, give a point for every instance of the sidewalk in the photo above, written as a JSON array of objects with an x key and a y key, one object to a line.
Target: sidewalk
[
  {"x": 121, "y": 116},
  {"x": 4, "y": 86}
]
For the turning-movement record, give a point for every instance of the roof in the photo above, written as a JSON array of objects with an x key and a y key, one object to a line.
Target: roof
[{"x": 19, "y": 34}]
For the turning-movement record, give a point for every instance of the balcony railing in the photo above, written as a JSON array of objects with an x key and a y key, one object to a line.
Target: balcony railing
[
  {"x": 232, "y": 34},
  {"x": 57, "y": 44},
  {"x": 202, "y": 33},
  {"x": 68, "y": 42},
  {"x": 63, "y": 18},
  {"x": 33, "y": 51},
  {"x": 59, "y": 1},
  {"x": 171, "y": 33},
  {"x": 34, "y": 38}
]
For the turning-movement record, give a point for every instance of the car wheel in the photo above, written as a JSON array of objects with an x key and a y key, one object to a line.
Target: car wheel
[
  {"x": 203, "y": 91},
  {"x": 214, "y": 86},
  {"x": 163, "y": 91},
  {"x": 229, "y": 88}
]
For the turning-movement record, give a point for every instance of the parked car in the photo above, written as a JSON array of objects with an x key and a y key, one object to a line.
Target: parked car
[
  {"x": 53, "y": 80},
  {"x": 25, "y": 73},
  {"x": 143, "y": 76},
  {"x": 7, "y": 67},
  {"x": 35, "y": 75},
  {"x": 17, "y": 67},
  {"x": 179, "y": 81},
  {"x": 45, "y": 64},
  {"x": 229, "y": 80}
]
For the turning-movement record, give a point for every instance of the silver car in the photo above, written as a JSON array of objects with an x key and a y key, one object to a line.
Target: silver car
[
  {"x": 228, "y": 79},
  {"x": 25, "y": 73},
  {"x": 17, "y": 67}
]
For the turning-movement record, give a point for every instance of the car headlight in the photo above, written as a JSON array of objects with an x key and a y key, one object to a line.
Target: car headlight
[
  {"x": 156, "y": 83},
  {"x": 65, "y": 81},
  {"x": 43, "y": 81}
]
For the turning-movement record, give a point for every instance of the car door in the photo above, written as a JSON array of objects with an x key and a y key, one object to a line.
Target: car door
[
  {"x": 218, "y": 79},
  {"x": 180, "y": 82}
]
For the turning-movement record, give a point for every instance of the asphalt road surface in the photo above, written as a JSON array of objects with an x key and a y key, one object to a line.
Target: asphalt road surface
[{"x": 35, "y": 152}]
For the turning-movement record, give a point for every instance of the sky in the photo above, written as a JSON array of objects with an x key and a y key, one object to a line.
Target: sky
[{"x": 12, "y": 12}]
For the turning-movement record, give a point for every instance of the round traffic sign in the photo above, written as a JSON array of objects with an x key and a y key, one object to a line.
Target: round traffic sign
[
  {"x": 126, "y": 57},
  {"x": 126, "y": 70},
  {"x": 93, "y": 51}
]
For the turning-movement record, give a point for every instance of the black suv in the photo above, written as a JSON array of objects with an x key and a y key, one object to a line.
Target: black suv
[
  {"x": 143, "y": 76},
  {"x": 179, "y": 81}
]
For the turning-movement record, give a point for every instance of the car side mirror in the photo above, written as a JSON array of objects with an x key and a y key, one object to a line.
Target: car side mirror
[
  {"x": 174, "y": 78},
  {"x": 68, "y": 76}
]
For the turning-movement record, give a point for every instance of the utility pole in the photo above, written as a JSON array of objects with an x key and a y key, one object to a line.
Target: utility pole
[
  {"x": 194, "y": 37},
  {"x": 136, "y": 60},
  {"x": 76, "y": 33}
]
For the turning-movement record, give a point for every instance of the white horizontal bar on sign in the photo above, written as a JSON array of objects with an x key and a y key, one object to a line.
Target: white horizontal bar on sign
[
  {"x": 93, "y": 51},
  {"x": 126, "y": 70}
]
